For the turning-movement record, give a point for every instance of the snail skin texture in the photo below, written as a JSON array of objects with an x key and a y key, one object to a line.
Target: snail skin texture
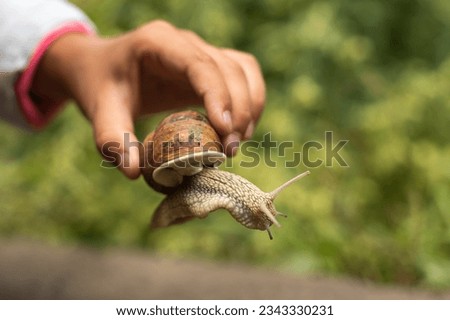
[
  {"x": 213, "y": 189},
  {"x": 184, "y": 152}
]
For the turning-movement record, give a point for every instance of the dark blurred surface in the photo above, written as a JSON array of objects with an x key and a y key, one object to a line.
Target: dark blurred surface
[{"x": 37, "y": 271}]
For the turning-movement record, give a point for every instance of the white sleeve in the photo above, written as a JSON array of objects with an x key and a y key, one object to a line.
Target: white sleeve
[{"x": 23, "y": 25}]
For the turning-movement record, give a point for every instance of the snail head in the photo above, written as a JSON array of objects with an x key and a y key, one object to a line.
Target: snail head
[{"x": 268, "y": 208}]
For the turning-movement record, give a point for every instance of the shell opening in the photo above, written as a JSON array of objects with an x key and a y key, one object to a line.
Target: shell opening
[{"x": 170, "y": 174}]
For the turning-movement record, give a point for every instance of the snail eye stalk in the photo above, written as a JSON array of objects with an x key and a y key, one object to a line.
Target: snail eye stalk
[
  {"x": 269, "y": 215},
  {"x": 277, "y": 191},
  {"x": 270, "y": 233}
]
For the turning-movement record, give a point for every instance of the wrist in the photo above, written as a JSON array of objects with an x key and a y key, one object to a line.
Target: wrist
[
  {"x": 39, "y": 89},
  {"x": 38, "y": 101},
  {"x": 53, "y": 80}
]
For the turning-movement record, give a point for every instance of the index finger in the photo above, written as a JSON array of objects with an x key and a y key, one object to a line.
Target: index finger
[
  {"x": 180, "y": 59},
  {"x": 255, "y": 79}
]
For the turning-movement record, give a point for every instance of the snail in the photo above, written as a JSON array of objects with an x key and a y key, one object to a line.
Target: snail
[
  {"x": 213, "y": 189},
  {"x": 186, "y": 170},
  {"x": 181, "y": 145}
]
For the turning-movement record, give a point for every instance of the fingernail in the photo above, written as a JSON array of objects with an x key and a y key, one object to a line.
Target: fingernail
[
  {"x": 226, "y": 117},
  {"x": 249, "y": 132},
  {"x": 231, "y": 144}
]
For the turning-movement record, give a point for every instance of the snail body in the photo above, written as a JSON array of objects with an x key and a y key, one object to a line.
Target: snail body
[
  {"x": 184, "y": 152},
  {"x": 213, "y": 189}
]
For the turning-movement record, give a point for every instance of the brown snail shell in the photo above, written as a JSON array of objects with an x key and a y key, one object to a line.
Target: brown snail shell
[{"x": 181, "y": 145}]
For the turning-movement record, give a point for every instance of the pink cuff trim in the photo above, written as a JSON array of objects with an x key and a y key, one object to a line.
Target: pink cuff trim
[{"x": 23, "y": 84}]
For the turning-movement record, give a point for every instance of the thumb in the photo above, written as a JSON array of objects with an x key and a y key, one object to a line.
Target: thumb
[{"x": 114, "y": 135}]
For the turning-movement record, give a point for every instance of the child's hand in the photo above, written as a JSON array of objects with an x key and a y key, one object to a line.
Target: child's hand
[{"x": 156, "y": 67}]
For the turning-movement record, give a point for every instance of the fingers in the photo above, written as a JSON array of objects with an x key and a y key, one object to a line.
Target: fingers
[
  {"x": 209, "y": 83},
  {"x": 235, "y": 112},
  {"x": 229, "y": 84},
  {"x": 180, "y": 60},
  {"x": 245, "y": 84},
  {"x": 255, "y": 79},
  {"x": 114, "y": 133}
]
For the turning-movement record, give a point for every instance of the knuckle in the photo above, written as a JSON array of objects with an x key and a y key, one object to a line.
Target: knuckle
[
  {"x": 160, "y": 24},
  {"x": 250, "y": 59},
  {"x": 191, "y": 35},
  {"x": 243, "y": 57},
  {"x": 201, "y": 62},
  {"x": 204, "y": 59},
  {"x": 235, "y": 67},
  {"x": 148, "y": 30}
]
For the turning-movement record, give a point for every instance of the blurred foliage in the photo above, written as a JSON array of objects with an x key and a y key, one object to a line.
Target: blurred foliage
[{"x": 374, "y": 72}]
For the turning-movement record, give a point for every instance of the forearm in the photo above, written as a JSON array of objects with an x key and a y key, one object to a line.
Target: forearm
[{"x": 27, "y": 28}]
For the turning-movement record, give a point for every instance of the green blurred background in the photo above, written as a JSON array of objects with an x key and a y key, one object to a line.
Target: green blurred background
[{"x": 374, "y": 72}]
